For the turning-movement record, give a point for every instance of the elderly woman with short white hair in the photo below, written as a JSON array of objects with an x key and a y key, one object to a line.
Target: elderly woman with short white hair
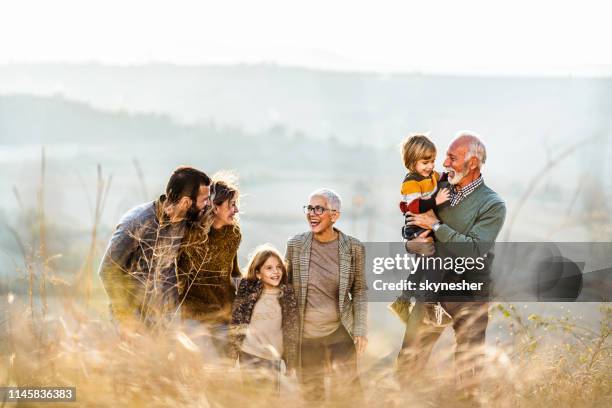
[{"x": 326, "y": 268}]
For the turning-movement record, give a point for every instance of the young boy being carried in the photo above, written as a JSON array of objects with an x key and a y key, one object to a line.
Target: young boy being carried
[{"x": 423, "y": 189}]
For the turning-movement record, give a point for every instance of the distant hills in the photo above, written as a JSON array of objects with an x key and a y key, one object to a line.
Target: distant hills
[
  {"x": 352, "y": 107},
  {"x": 28, "y": 120}
]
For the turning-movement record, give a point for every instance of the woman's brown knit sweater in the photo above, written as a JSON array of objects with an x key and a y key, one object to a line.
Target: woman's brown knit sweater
[{"x": 206, "y": 268}]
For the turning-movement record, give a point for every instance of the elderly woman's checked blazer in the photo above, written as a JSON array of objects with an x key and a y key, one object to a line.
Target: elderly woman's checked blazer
[{"x": 352, "y": 299}]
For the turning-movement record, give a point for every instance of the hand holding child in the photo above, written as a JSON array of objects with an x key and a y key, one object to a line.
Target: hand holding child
[{"x": 442, "y": 196}]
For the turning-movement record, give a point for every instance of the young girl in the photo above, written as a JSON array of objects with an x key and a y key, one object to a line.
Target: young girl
[{"x": 264, "y": 327}]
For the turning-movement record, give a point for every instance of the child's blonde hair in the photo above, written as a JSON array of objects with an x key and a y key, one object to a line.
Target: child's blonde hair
[
  {"x": 417, "y": 147},
  {"x": 259, "y": 257}
]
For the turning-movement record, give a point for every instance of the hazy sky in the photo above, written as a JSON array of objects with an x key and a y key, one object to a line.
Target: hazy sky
[{"x": 533, "y": 36}]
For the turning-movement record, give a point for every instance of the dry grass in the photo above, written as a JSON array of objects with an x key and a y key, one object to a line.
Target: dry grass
[{"x": 549, "y": 362}]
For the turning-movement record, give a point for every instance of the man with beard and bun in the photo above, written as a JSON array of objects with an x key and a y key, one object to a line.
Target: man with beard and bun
[
  {"x": 138, "y": 270},
  {"x": 471, "y": 220}
]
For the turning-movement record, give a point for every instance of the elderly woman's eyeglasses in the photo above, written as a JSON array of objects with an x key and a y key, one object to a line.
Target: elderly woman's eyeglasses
[{"x": 316, "y": 210}]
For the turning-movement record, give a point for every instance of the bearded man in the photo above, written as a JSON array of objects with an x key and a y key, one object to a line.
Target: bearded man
[{"x": 138, "y": 270}]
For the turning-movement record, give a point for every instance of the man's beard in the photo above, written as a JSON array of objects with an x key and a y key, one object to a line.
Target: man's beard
[
  {"x": 456, "y": 179},
  {"x": 194, "y": 214}
]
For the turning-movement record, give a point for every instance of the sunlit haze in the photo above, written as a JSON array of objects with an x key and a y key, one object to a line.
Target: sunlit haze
[{"x": 480, "y": 37}]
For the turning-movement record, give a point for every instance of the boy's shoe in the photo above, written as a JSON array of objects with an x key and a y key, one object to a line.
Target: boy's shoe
[
  {"x": 411, "y": 232},
  {"x": 402, "y": 308}
]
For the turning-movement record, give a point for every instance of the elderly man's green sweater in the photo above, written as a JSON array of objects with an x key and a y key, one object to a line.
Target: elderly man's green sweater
[
  {"x": 475, "y": 221},
  {"x": 469, "y": 229}
]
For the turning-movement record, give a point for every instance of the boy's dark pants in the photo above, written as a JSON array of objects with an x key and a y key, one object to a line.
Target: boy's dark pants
[
  {"x": 335, "y": 353},
  {"x": 411, "y": 232},
  {"x": 469, "y": 321}
]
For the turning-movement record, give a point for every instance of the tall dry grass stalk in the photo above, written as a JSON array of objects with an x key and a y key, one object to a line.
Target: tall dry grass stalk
[
  {"x": 42, "y": 233},
  {"x": 34, "y": 253},
  {"x": 86, "y": 273}
]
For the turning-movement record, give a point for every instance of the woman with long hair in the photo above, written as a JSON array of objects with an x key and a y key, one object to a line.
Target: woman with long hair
[{"x": 208, "y": 262}]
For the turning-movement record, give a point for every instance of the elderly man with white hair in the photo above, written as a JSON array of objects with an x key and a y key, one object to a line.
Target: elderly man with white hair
[
  {"x": 472, "y": 219},
  {"x": 326, "y": 268}
]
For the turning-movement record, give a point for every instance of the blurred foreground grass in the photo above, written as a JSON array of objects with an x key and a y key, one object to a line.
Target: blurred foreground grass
[{"x": 543, "y": 362}]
